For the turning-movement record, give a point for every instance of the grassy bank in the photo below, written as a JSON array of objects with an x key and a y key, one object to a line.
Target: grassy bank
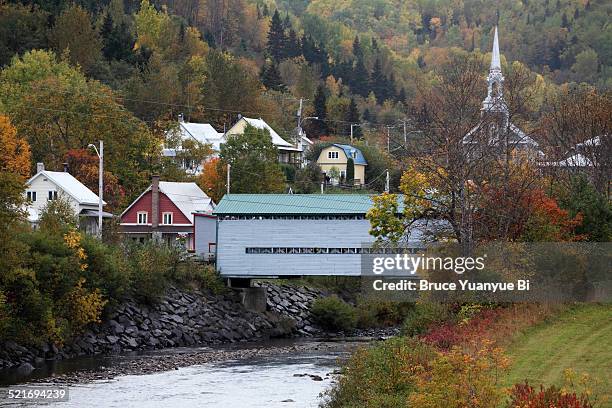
[
  {"x": 579, "y": 338},
  {"x": 479, "y": 356}
]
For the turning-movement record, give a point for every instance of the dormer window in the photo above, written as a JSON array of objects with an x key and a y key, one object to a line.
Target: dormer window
[
  {"x": 142, "y": 217},
  {"x": 52, "y": 195}
]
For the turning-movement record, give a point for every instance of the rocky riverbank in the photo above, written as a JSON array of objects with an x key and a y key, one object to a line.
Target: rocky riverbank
[{"x": 180, "y": 319}]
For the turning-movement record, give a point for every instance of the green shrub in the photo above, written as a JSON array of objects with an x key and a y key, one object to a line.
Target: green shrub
[
  {"x": 423, "y": 315},
  {"x": 152, "y": 265},
  {"x": 108, "y": 268},
  {"x": 381, "y": 313},
  {"x": 191, "y": 274},
  {"x": 332, "y": 313},
  {"x": 380, "y": 376}
]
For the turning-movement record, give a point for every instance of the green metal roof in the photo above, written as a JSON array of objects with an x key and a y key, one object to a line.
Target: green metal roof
[{"x": 237, "y": 204}]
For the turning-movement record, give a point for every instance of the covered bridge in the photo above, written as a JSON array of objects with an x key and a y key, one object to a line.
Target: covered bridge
[{"x": 282, "y": 235}]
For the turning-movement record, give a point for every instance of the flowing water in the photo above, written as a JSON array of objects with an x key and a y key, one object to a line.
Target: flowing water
[{"x": 258, "y": 382}]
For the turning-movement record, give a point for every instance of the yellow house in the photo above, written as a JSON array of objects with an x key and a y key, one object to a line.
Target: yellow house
[{"x": 336, "y": 157}]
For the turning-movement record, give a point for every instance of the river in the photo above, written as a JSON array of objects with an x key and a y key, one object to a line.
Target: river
[{"x": 275, "y": 380}]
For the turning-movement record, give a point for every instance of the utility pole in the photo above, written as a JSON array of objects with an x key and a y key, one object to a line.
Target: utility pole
[
  {"x": 387, "y": 182},
  {"x": 299, "y": 123},
  {"x": 389, "y": 138},
  {"x": 229, "y": 168},
  {"x": 100, "y": 154}
]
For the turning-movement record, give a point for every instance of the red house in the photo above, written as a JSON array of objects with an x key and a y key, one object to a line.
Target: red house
[{"x": 165, "y": 211}]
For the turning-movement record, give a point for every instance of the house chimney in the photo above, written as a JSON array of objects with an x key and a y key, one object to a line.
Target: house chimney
[
  {"x": 65, "y": 167},
  {"x": 155, "y": 202},
  {"x": 40, "y": 167}
]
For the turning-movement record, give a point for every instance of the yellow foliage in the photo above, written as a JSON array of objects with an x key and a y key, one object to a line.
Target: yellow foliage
[
  {"x": 84, "y": 306},
  {"x": 420, "y": 192},
  {"x": 14, "y": 151},
  {"x": 72, "y": 239},
  {"x": 462, "y": 378},
  {"x": 384, "y": 223}
]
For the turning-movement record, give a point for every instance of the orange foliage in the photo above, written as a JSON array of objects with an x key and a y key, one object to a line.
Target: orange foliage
[
  {"x": 14, "y": 152},
  {"x": 212, "y": 179},
  {"x": 84, "y": 166}
]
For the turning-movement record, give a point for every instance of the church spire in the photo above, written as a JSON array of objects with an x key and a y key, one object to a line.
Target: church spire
[
  {"x": 494, "y": 102},
  {"x": 495, "y": 60}
]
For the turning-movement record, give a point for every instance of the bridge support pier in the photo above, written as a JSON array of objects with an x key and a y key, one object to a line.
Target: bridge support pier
[{"x": 254, "y": 299}]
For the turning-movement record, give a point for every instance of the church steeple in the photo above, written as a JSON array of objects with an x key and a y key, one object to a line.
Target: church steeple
[{"x": 494, "y": 102}]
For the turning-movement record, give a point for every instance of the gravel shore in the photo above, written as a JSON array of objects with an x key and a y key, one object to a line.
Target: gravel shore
[{"x": 153, "y": 363}]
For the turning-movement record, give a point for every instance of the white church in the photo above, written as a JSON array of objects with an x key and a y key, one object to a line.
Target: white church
[{"x": 495, "y": 132}]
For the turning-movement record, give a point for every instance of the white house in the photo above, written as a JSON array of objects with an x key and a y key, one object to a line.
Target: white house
[
  {"x": 200, "y": 132},
  {"x": 46, "y": 186}
]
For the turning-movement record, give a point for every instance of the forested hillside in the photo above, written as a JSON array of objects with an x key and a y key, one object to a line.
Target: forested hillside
[{"x": 123, "y": 70}]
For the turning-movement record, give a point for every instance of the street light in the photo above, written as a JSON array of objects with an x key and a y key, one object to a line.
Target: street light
[{"x": 100, "y": 154}]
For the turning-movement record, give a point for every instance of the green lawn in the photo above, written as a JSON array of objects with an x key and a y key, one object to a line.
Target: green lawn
[{"x": 579, "y": 338}]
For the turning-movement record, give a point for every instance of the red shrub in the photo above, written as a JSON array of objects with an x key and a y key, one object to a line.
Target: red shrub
[
  {"x": 524, "y": 396},
  {"x": 446, "y": 335}
]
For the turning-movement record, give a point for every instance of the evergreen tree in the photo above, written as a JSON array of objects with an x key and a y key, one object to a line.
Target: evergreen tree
[
  {"x": 564, "y": 22},
  {"x": 357, "y": 51},
  {"x": 350, "y": 171},
  {"x": 391, "y": 92},
  {"x": 117, "y": 41},
  {"x": 352, "y": 116},
  {"x": 314, "y": 53},
  {"x": 270, "y": 77},
  {"x": 320, "y": 101},
  {"x": 359, "y": 78},
  {"x": 378, "y": 83},
  {"x": 401, "y": 97},
  {"x": 293, "y": 48},
  {"x": 276, "y": 38}
]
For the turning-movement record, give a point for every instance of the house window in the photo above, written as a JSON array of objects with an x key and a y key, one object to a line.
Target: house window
[
  {"x": 167, "y": 218},
  {"x": 354, "y": 154},
  {"x": 332, "y": 155},
  {"x": 31, "y": 196},
  {"x": 143, "y": 217},
  {"x": 52, "y": 195}
]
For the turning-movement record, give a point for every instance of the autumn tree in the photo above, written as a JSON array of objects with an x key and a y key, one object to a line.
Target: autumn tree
[
  {"x": 254, "y": 162},
  {"x": 14, "y": 170},
  {"x": 213, "y": 178},
  {"x": 57, "y": 109},
  {"x": 577, "y": 124},
  {"x": 14, "y": 151},
  {"x": 84, "y": 165}
]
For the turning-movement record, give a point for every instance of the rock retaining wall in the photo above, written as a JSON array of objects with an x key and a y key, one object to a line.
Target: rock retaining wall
[{"x": 180, "y": 319}]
